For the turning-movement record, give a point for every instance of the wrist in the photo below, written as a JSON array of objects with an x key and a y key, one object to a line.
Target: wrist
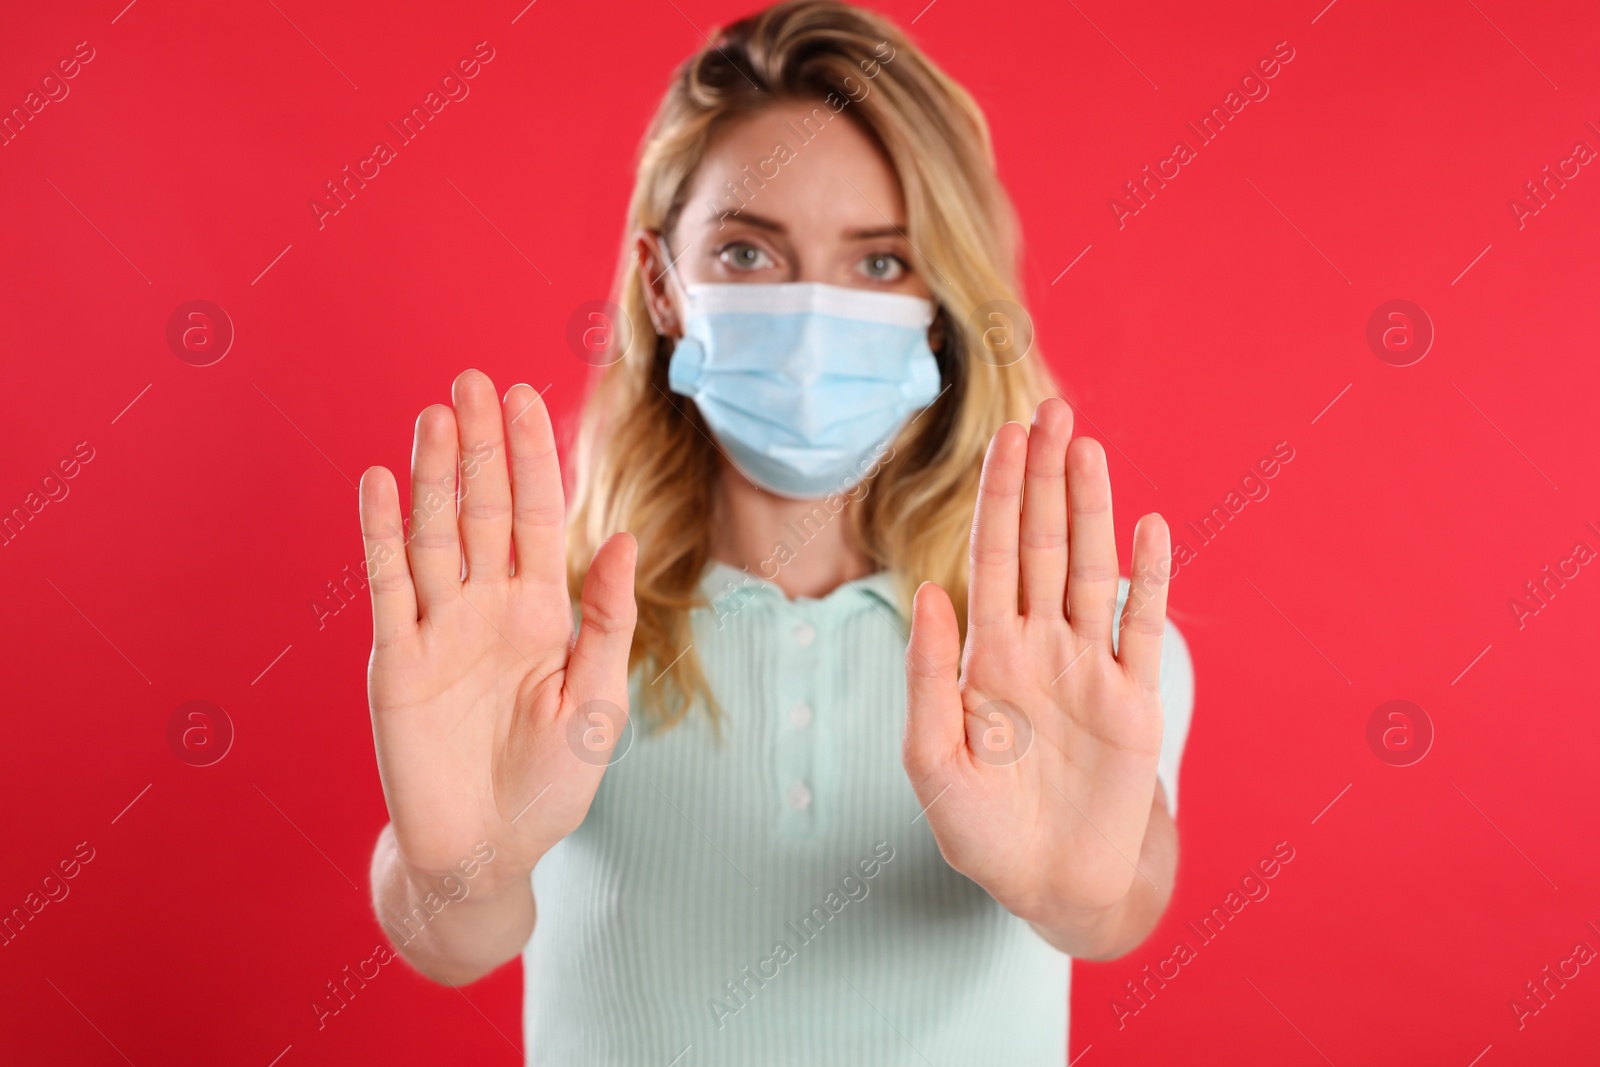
[
  {"x": 481, "y": 873},
  {"x": 1109, "y": 926},
  {"x": 1083, "y": 932}
]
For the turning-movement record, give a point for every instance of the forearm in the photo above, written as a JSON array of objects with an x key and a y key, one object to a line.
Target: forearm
[
  {"x": 1107, "y": 933},
  {"x": 449, "y": 928}
]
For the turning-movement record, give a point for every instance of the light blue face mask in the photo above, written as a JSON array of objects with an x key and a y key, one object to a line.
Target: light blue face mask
[{"x": 803, "y": 384}]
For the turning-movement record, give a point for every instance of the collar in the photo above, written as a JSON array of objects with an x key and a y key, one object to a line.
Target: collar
[{"x": 723, "y": 586}]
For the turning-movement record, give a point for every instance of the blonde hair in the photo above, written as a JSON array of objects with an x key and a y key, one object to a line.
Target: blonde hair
[{"x": 643, "y": 460}]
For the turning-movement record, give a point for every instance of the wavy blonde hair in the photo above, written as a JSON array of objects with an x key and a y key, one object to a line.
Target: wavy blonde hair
[{"x": 643, "y": 460}]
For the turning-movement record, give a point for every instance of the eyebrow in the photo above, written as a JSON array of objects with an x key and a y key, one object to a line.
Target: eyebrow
[
  {"x": 761, "y": 222},
  {"x": 871, "y": 234}
]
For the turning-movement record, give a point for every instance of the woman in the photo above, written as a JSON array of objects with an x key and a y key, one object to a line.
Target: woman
[{"x": 760, "y": 825}]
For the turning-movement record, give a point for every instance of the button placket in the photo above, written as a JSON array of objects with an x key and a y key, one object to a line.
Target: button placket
[{"x": 794, "y": 752}]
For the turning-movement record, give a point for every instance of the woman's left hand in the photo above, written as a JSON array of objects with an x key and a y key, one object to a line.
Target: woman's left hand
[{"x": 1036, "y": 766}]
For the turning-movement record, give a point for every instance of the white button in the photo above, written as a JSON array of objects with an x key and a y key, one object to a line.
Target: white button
[
  {"x": 800, "y": 715},
  {"x": 799, "y": 796},
  {"x": 804, "y": 634}
]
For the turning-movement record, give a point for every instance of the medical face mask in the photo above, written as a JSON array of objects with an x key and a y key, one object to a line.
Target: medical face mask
[{"x": 804, "y": 384}]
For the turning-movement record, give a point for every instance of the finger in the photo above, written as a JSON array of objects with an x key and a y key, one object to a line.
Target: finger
[
  {"x": 394, "y": 600},
  {"x": 485, "y": 499},
  {"x": 1044, "y": 512},
  {"x": 538, "y": 507},
  {"x": 1145, "y": 612},
  {"x": 992, "y": 597},
  {"x": 935, "y": 721},
  {"x": 432, "y": 544},
  {"x": 598, "y": 669},
  {"x": 1092, "y": 551}
]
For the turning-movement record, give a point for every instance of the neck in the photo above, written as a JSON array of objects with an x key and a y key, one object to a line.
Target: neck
[{"x": 802, "y": 546}]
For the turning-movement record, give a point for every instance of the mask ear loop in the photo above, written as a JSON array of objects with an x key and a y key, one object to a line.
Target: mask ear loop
[
  {"x": 949, "y": 355},
  {"x": 671, "y": 273}
]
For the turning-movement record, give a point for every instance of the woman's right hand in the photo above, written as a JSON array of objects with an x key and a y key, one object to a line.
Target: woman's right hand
[{"x": 475, "y": 682}]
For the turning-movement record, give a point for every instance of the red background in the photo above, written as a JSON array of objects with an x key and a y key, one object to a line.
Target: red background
[{"x": 1222, "y": 319}]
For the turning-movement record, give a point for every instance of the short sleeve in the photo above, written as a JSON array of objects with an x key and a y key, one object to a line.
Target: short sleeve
[{"x": 1177, "y": 698}]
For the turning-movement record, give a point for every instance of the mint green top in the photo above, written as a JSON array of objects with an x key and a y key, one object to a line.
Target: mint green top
[{"x": 778, "y": 898}]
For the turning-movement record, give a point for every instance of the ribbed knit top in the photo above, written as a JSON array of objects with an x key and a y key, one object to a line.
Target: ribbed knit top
[{"x": 776, "y": 897}]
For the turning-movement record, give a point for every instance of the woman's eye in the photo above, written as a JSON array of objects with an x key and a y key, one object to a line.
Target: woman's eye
[
  {"x": 883, "y": 267},
  {"x": 744, "y": 256}
]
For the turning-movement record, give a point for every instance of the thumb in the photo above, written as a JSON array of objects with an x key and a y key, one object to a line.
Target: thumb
[
  {"x": 935, "y": 721},
  {"x": 598, "y": 666}
]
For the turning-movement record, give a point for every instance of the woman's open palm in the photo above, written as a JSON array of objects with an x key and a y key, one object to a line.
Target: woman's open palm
[
  {"x": 1036, "y": 763},
  {"x": 475, "y": 680}
]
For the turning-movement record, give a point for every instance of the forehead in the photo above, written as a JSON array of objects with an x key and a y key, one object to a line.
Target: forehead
[{"x": 801, "y": 164}]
